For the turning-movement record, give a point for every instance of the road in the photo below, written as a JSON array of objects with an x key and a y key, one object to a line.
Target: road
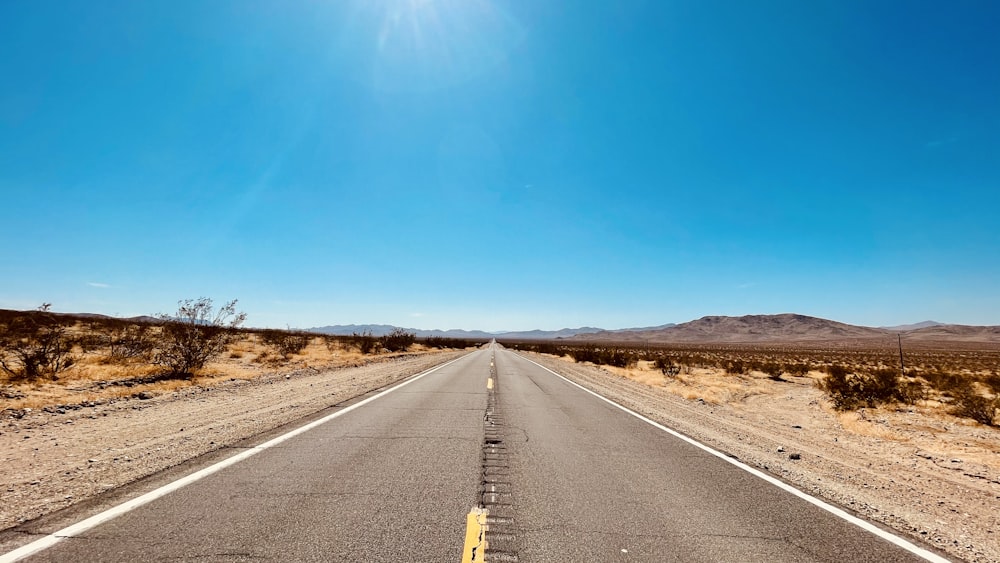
[{"x": 553, "y": 472}]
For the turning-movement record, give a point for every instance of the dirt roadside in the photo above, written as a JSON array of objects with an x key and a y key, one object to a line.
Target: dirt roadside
[
  {"x": 932, "y": 479},
  {"x": 58, "y": 457}
]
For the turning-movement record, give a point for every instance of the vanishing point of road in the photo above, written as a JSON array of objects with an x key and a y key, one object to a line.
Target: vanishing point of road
[{"x": 490, "y": 457}]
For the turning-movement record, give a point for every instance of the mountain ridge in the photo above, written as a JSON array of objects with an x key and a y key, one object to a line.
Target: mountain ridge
[
  {"x": 784, "y": 327},
  {"x": 792, "y": 327}
]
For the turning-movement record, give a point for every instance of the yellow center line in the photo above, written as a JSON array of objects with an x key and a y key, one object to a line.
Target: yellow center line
[
  {"x": 489, "y": 383},
  {"x": 475, "y": 536}
]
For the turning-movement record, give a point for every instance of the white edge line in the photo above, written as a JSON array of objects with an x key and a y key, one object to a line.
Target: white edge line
[
  {"x": 111, "y": 513},
  {"x": 863, "y": 524}
]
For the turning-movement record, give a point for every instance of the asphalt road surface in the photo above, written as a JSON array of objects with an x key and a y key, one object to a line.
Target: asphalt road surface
[{"x": 556, "y": 474}]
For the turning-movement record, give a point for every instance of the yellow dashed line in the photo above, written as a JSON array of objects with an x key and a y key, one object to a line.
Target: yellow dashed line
[
  {"x": 489, "y": 383},
  {"x": 475, "y": 536}
]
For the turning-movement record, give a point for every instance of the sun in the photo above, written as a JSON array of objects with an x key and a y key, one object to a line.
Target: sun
[{"x": 428, "y": 44}]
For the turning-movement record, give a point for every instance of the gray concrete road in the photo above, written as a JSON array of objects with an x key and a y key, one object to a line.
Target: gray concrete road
[{"x": 563, "y": 475}]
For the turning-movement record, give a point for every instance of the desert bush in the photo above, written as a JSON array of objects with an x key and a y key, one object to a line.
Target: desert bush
[
  {"x": 736, "y": 367},
  {"x": 397, "y": 340},
  {"x": 196, "y": 334},
  {"x": 126, "y": 341},
  {"x": 284, "y": 342},
  {"x": 621, "y": 358},
  {"x": 332, "y": 342},
  {"x": 797, "y": 369},
  {"x": 666, "y": 366},
  {"x": 35, "y": 345},
  {"x": 970, "y": 404},
  {"x": 773, "y": 370},
  {"x": 435, "y": 342},
  {"x": 364, "y": 342},
  {"x": 617, "y": 357},
  {"x": 440, "y": 342},
  {"x": 992, "y": 381},
  {"x": 585, "y": 354},
  {"x": 945, "y": 382},
  {"x": 866, "y": 389}
]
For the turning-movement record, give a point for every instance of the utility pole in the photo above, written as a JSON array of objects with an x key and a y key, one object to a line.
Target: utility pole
[{"x": 902, "y": 369}]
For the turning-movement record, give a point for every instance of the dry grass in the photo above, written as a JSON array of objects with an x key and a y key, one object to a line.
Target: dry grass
[
  {"x": 859, "y": 422},
  {"x": 711, "y": 385},
  {"x": 96, "y": 379},
  {"x": 703, "y": 376}
]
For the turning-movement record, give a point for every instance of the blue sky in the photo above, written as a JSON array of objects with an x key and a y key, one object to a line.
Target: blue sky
[{"x": 503, "y": 165}]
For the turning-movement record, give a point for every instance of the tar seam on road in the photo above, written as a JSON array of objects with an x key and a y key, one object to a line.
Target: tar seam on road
[
  {"x": 840, "y": 513},
  {"x": 493, "y": 517},
  {"x": 111, "y": 513}
]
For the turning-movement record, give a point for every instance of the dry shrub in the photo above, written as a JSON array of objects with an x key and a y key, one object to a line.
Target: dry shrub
[
  {"x": 35, "y": 345},
  {"x": 398, "y": 340},
  {"x": 945, "y": 382},
  {"x": 196, "y": 334},
  {"x": 970, "y": 404},
  {"x": 870, "y": 388},
  {"x": 126, "y": 341},
  {"x": 364, "y": 342},
  {"x": 284, "y": 342},
  {"x": 667, "y": 366}
]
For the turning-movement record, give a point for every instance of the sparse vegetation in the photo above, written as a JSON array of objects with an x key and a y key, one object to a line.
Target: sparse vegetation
[
  {"x": 397, "y": 341},
  {"x": 455, "y": 343},
  {"x": 60, "y": 359},
  {"x": 286, "y": 343},
  {"x": 964, "y": 379},
  {"x": 970, "y": 404},
  {"x": 364, "y": 342},
  {"x": 667, "y": 366},
  {"x": 773, "y": 370},
  {"x": 195, "y": 334},
  {"x": 125, "y": 341},
  {"x": 849, "y": 390},
  {"x": 34, "y": 346},
  {"x": 617, "y": 357}
]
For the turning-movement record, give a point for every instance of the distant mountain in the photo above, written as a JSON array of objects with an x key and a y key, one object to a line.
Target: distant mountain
[
  {"x": 548, "y": 334},
  {"x": 781, "y": 328},
  {"x": 914, "y": 326},
  {"x": 645, "y": 328},
  {"x": 139, "y": 319},
  {"x": 955, "y": 333},
  {"x": 381, "y": 330},
  {"x": 786, "y": 327}
]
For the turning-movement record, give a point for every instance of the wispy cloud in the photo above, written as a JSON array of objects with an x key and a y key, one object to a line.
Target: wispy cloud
[
  {"x": 416, "y": 314},
  {"x": 941, "y": 142},
  {"x": 745, "y": 285},
  {"x": 98, "y": 284}
]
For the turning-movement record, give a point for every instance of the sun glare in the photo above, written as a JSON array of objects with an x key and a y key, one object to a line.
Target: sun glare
[{"x": 429, "y": 44}]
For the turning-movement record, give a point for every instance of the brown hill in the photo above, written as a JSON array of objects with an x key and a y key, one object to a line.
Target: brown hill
[
  {"x": 786, "y": 327},
  {"x": 955, "y": 333}
]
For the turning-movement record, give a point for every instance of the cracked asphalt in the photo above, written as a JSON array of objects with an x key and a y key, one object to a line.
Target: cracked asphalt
[{"x": 394, "y": 479}]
